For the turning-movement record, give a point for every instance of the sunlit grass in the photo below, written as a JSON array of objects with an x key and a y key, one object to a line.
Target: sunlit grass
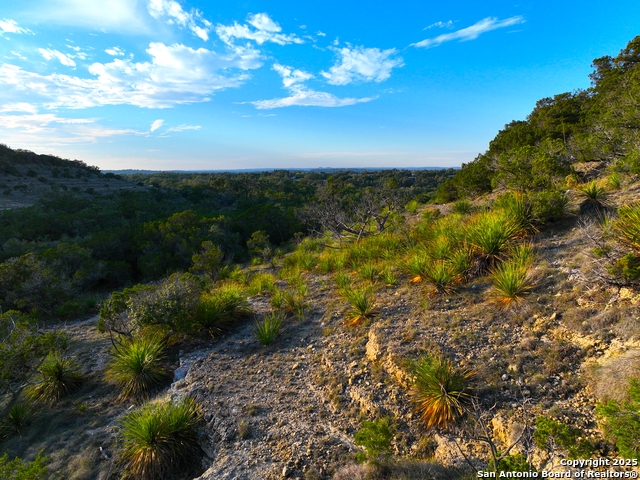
[{"x": 362, "y": 305}]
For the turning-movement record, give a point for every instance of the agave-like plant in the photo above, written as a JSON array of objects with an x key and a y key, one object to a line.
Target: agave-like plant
[
  {"x": 511, "y": 281},
  {"x": 137, "y": 367},
  {"x": 441, "y": 391},
  {"x": 362, "y": 304},
  {"x": 57, "y": 377},
  {"x": 160, "y": 439},
  {"x": 261, "y": 283},
  {"x": 626, "y": 227},
  {"x": 595, "y": 197},
  {"x": 16, "y": 420},
  {"x": 490, "y": 235},
  {"x": 220, "y": 310},
  {"x": 270, "y": 327},
  {"x": 442, "y": 275},
  {"x": 369, "y": 271}
]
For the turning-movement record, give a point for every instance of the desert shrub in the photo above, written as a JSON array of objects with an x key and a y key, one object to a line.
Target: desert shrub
[
  {"x": 549, "y": 205},
  {"x": 18, "y": 418},
  {"x": 57, "y": 377},
  {"x": 441, "y": 390},
  {"x": 621, "y": 421},
  {"x": 18, "y": 469},
  {"x": 362, "y": 305},
  {"x": 551, "y": 433},
  {"x": 262, "y": 283},
  {"x": 594, "y": 197},
  {"x": 222, "y": 309},
  {"x": 463, "y": 207},
  {"x": 519, "y": 208},
  {"x": 137, "y": 367},
  {"x": 370, "y": 272},
  {"x": 290, "y": 302},
  {"x": 512, "y": 463},
  {"x": 442, "y": 275},
  {"x": 490, "y": 235},
  {"x": 375, "y": 437},
  {"x": 626, "y": 227},
  {"x": 269, "y": 328},
  {"x": 160, "y": 439},
  {"x": 511, "y": 282}
]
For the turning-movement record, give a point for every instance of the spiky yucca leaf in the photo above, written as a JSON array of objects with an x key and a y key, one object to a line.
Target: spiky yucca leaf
[
  {"x": 270, "y": 327},
  {"x": 626, "y": 227},
  {"x": 137, "y": 367},
  {"x": 594, "y": 197},
  {"x": 57, "y": 377},
  {"x": 441, "y": 391},
  {"x": 220, "y": 310},
  {"x": 160, "y": 439},
  {"x": 363, "y": 306},
  {"x": 490, "y": 236},
  {"x": 511, "y": 282},
  {"x": 442, "y": 275}
]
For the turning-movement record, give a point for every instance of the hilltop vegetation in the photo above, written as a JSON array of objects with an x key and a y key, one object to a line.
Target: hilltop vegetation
[{"x": 427, "y": 324}]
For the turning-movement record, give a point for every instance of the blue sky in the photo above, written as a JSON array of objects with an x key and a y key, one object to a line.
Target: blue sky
[{"x": 177, "y": 84}]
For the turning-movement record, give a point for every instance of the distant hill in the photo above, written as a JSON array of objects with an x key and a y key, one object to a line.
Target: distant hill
[{"x": 130, "y": 171}]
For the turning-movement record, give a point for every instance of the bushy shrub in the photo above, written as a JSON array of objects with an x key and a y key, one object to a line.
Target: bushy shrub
[
  {"x": 621, "y": 421},
  {"x": 222, "y": 309},
  {"x": 56, "y": 378},
  {"x": 160, "y": 440},
  {"x": 441, "y": 391},
  {"x": 18, "y": 469},
  {"x": 562, "y": 436},
  {"x": 261, "y": 283},
  {"x": 375, "y": 437},
  {"x": 137, "y": 367}
]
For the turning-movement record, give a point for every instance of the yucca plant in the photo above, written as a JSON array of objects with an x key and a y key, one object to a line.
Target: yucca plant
[
  {"x": 520, "y": 210},
  {"x": 388, "y": 276},
  {"x": 441, "y": 391},
  {"x": 594, "y": 197},
  {"x": 137, "y": 367},
  {"x": 490, "y": 236},
  {"x": 160, "y": 440},
  {"x": 522, "y": 254},
  {"x": 57, "y": 377},
  {"x": 362, "y": 304},
  {"x": 416, "y": 266},
  {"x": 614, "y": 181},
  {"x": 369, "y": 271},
  {"x": 442, "y": 275},
  {"x": 462, "y": 261},
  {"x": 261, "y": 283},
  {"x": 462, "y": 206},
  {"x": 219, "y": 310},
  {"x": 343, "y": 280},
  {"x": 626, "y": 227},
  {"x": 269, "y": 328},
  {"x": 511, "y": 282},
  {"x": 18, "y": 418}
]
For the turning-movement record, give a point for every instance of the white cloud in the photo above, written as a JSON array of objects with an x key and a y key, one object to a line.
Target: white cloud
[
  {"x": 11, "y": 26},
  {"x": 363, "y": 64},
  {"x": 176, "y": 74},
  {"x": 302, "y": 96},
  {"x": 115, "y": 51},
  {"x": 156, "y": 125},
  {"x": 182, "y": 128},
  {"x": 124, "y": 16},
  {"x": 472, "y": 32},
  {"x": 64, "y": 59},
  {"x": 291, "y": 77},
  {"x": 321, "y": 33},
  {"x": 177, "y": 15},
  {"x": 447, "y": 24},
  {"x": 37, "y": 122},
  {"x": 19, "y": 55},
  {"x": 19, "y": 107},
  {"x": 264, "y": 30}
]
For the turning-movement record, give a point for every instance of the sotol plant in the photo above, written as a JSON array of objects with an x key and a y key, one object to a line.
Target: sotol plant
[
  {"x": 220, "y": 310},
  {"x": 57, "y": 377},
  {"x": 270, "y": 327},
  {"x": 511, "y": 281},
  {"x": 137, "y": 367},
  {"x": 160, "y": 439},
  {"x": 362, "y": 305},
  {"x": 441, "y": 391}
]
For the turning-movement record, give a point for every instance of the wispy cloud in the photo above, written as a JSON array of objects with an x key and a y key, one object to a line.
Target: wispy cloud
[
  {"x": 19, "y": 107},
  {"x": 11, "y": 26},
  {"x": 300, "y": 95},
  {"x": 470, "y": 33},
  {"x": 447, "y": 24},
  {"x": 176, "y": 74},
  {"x": 260, "y": 28},
  {"x": 156, "y": 125},
  {"x": 362, "y": 64},
  {"x": 63, "y": 58},
  {"x": 182, "y": 128},
  {"x": 175, "y": 14},
  {"x": 115, "y": 51}
]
